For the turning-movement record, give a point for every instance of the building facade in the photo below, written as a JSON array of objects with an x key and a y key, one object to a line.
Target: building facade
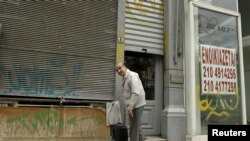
[{"x": 188, "y": 53}]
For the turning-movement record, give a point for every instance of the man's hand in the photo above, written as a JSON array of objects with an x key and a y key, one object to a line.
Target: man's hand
[{"x": 130, "y": 113}]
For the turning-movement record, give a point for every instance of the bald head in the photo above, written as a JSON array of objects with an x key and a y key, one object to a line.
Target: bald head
[{"x": 121, "y": 69}]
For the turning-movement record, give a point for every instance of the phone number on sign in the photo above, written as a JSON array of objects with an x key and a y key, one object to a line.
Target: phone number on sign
[
  {"x": 226, "y": 73},
  {"x": 219, "y": 86}
]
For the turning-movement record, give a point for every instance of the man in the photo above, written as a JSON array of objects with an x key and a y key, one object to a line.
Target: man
[{"x": 134, "y": 100}]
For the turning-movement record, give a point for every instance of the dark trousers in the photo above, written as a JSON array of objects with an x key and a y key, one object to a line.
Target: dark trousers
[{"x": 135, "y": 125}]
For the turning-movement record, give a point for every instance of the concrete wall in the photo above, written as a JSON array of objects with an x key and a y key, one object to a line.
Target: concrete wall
[
  {"x": 245, "y": 21},
  {"x": 173, "y": 116}
]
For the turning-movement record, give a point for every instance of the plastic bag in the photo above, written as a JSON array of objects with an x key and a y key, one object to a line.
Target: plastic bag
[{"x": 113, "y": 113}]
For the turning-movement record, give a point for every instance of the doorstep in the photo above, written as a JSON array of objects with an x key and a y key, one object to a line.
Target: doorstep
[{"x": 154, "y": 138}]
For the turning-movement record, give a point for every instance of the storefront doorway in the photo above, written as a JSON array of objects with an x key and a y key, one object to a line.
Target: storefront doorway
[{"x": 150, "y": 70}]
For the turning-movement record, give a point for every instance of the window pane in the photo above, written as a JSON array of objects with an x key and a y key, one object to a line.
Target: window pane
[
  {"x": 228, "y": 4},
  {"x": 217, "y": 32}
]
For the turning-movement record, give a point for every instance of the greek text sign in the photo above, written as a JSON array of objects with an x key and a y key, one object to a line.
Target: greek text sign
[{"x": 218, "y": 70}]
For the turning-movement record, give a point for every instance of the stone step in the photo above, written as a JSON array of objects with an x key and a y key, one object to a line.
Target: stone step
[{"x": 154, "y": 138}]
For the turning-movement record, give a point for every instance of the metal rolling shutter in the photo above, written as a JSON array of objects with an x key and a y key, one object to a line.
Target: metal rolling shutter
[
  {"x": 144, "y": 26},
  {"x": 58, "y": 48}
]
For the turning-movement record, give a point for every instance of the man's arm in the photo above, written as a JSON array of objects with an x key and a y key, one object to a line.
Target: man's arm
[{"x": 136, "y": 88}]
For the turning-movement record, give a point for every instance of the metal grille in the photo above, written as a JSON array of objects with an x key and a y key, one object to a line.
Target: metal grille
[
  {"x": 144, "y": 26},
  {"x": 58, "y": 48}
]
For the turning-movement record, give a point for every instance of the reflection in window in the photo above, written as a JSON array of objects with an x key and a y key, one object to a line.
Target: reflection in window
[
  {"x": 227, "y": 4},
  {"x": 216, "y": 29},
  {"x": 144, "y": 65}
]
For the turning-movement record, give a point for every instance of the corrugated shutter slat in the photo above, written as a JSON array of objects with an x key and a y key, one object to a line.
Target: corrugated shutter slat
[
  {"x": 58, "y": 48},
  {"x": 144, "y": 26}
]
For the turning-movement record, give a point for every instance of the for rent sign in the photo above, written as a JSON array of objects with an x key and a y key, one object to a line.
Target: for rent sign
[{"x": 218, "y": 70}]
